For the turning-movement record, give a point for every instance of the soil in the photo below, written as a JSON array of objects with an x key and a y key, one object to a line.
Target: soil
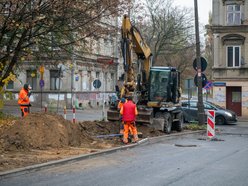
[{"x": 42, "y": 137}]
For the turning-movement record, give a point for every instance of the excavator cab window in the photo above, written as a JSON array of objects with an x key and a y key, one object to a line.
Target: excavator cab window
[{"x": 159, "y": 81}]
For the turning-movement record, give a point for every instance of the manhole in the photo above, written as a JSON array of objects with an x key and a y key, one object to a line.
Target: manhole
[{"x": 180, "y": 145}]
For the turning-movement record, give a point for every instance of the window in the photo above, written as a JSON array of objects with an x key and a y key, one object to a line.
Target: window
[
  {"x": 112, "y": 76},
  {"x": 233, "y": 56},
  {"x": 207, "y": 106},
  {"x": 98, "y": 46},
  {"x": 54, "y": 79},
  {"x": 236, "y": 97},
  {"x": 113, "y": 81},
  {"x": 193, "y": 104},
  {"x": 89, "y": 80},
  {"x": 32, "y": 78},
  {"x": 10, "y": 85},
  {"x": 233, "y": 15},
  {"x": 185, "y": 104},
  {"x": 97, "y": 75}
]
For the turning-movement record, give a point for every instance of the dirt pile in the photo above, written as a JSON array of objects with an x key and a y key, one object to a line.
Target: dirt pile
[
  {"x": 42, "y": 131},
  {"x": 42, "y": 137},
  {"x": 47, "y": 130}
]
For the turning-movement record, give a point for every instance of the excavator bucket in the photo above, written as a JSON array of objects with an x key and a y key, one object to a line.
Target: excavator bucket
[
  {"x": 144, "y": 116},
  {"x": 113, "y": 115}
]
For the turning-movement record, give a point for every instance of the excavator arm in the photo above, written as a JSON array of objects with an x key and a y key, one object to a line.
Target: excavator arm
[
  {"x": 132, "y": 42},
  {"x": 136, "y": 76}
]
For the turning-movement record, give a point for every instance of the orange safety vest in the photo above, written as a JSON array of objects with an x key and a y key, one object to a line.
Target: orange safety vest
[
  {"x": 129, "y": 111},
  {"x": 23, "y": 99}
]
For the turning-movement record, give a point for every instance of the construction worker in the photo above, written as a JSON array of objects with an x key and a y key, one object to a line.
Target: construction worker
[
  {"x": 129, "y": 112},
  {"x": 23, "y": 99},
  {"x": 120, "y": 105}
]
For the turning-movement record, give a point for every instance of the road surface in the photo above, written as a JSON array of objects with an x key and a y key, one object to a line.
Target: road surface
[{"x": 184, "y": 160}]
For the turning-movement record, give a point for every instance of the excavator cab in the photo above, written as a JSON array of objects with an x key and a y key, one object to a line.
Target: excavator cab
[{"x": 164, "y": 83}]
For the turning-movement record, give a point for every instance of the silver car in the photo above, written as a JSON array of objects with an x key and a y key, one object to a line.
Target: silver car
[{"x": 222, "y": 116}]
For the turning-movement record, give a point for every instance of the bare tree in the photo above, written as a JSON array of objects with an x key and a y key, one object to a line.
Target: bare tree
[
  {"x": 168, "y": 31},
  {"x": 25, "y": 24}
]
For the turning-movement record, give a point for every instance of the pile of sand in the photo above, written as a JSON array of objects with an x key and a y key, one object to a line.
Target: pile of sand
[
  {"x": 49, "y": 130},
  {"x": 42, "y": 131}
]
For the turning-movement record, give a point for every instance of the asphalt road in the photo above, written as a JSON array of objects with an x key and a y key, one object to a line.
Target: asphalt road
[{"x": 184, "y": 160}]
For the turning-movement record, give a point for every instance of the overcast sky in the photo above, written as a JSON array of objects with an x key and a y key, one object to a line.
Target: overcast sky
[{"x": 204, "y": 7}]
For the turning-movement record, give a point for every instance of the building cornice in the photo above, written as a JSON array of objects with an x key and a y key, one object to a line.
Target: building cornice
[
  {"x": 233, "y": 2},
  {"x": 233, "y": 38},
  {"x": 229, "y": 29},
  {"x": 225, "y": 68},
  {"x": 229, "y": 79}
]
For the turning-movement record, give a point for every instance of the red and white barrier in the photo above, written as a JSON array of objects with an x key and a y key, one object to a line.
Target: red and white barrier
[
  {"x": 45, "y": 108},
  {"x": 211, "y": 124},
  {"x": 74, "y": 114},
  {"x": 64, "y": 112}
]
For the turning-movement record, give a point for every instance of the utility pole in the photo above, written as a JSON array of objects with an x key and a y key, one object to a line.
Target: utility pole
[{"x": 199, "y": 72}]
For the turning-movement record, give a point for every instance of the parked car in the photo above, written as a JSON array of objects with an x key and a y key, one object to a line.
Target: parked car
[{"x": 222, "y": 116}]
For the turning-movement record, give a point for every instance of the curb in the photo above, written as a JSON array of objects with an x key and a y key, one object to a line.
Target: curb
[{"x": 37, "y": 167}]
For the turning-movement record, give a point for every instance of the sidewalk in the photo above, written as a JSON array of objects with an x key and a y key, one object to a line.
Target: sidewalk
[
  {"x": 243, "y": 119},
  {"x": 89, "y": 114}
]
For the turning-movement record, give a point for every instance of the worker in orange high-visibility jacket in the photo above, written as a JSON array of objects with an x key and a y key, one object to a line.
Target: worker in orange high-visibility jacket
[
  {"x": 23, "y": 99},
  {"x": 120, "y": 105},
  {"x": 129, "y": 112}
]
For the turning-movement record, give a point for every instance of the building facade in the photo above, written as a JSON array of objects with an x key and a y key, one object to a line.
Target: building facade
[
  {"x": 88, "y": 80},
  {"x": 230, "y": 69}
]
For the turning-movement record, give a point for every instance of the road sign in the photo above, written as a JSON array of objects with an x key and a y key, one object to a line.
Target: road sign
[
  {"x": 219, "y": 84},
  {"x": 208, "y": 86},
  {"x": 76, "y": 78},
  {"x": 42, "y": 83},
  {"x": 97, "y": 83},
  {"x": 204, "y": 80},
  {"x": 211, "y": 123},
  {"x": 204, "y": 64}
]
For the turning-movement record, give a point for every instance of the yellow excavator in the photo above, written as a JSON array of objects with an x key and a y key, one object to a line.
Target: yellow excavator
[{"x": 156, "y": 90}]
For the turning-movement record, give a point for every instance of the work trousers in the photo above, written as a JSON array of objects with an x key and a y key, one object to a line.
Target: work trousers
[
  {"x": 24, "y": 110},
  {"x": 122, "y": 128},
  {"x": 130, "y": 125}
]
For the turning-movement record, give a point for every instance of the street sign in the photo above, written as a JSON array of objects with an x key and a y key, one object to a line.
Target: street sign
[
  {"x": 76, "y": 78},
  {"x": 219, "y": 84},
  {"x": 97, "y": 83},
  {"x": 208, "y": 85},
  {"x": 204, "y": 64},
  {"x": 204, "y": 80},
  {"x": 42, "y": 83}
]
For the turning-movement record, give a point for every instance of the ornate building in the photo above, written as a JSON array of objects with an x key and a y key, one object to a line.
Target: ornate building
[{"x": 230, "y": 69}]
